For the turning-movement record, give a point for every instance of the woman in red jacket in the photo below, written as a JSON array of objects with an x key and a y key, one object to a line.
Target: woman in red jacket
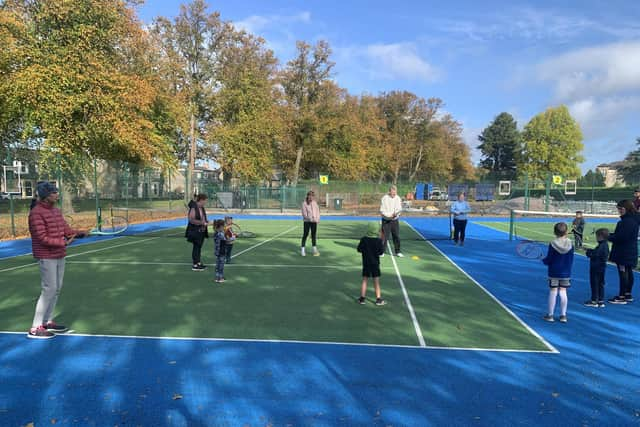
[{"x": 50, "y": 236}]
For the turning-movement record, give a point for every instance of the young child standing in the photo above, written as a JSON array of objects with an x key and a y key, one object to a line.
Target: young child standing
[
  {"x": 559, "y": 261},
  {"x": 220, "y": 249},
  {"x": 229, "y": 236},
  {"x": 577, "y": 228},
  {"x": 597, "y": 266},
  {"x": 371, "y": 248}
]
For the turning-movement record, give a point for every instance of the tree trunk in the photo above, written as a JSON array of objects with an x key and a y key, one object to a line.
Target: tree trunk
[
  {"x": 417, "y": 166},
  {"x": 188, "y": 193},
  {"x": 296, "y": 167}
]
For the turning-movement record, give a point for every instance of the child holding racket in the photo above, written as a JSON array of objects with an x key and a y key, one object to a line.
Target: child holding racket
[
  {"x": 220, "y": 249},
  {"x": 230, "y": 237},
  {"x": 577, "y": 229},
  {"x": 559, "y": 261}
]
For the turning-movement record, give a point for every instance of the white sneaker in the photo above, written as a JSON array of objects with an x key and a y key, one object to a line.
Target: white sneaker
[
  {"x": 302, "y": 252},
  {"x": 382, "y": 256},
  {"x": 315, "y": 252},
  {"x": 399, "y": 255}
]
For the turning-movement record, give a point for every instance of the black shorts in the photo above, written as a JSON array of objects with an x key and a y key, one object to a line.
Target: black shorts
[{"x": 370, "y": 271}]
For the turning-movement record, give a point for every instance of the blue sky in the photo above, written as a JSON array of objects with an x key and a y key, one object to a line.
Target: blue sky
[{"x": 480, "y": 58}]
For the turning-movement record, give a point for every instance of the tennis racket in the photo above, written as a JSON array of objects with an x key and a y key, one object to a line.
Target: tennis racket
[
  {"x": 111, "y": 226},
  {"x": 239, "y": 232},
  {"x": 531, "y": 249}
]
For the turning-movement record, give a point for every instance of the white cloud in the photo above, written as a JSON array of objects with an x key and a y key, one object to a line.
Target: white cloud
[
  {"x": 256, "y": 23},
  {"x": 595, "y": 71},
  {"x": 601, "y": 87},
  {"x": 534, "y": 24},
  {"x": 398, "y": 61}
]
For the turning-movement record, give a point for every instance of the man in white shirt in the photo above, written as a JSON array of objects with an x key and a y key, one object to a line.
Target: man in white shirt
[{"x": 390, "y": 208}]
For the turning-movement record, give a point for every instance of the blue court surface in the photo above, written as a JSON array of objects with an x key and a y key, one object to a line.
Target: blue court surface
[{"x": 592, "y": 379}]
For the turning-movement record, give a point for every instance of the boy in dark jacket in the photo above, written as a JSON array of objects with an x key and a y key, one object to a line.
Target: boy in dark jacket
[
  {"x": 559, "y": 260},
  {"x": 624, "y": 249},
  {"x": 371, "y": 248},
  {"x": 597, "y": 266}
]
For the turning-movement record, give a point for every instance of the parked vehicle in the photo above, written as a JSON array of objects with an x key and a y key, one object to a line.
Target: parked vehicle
[{"x": 438, "y": 195}]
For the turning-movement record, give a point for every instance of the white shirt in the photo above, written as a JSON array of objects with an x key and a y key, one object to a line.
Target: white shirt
[{"x": 390, "y": 207}]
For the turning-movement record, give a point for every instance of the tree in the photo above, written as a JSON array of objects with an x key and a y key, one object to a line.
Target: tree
[
  {"x": 500, "y": 147},
  {"x": 591, "y": 178},
  {"x": 191, "y": 46},
  {"x": 80, "y": 80},
  {"x": 302, "y": 81},
  {"x": 631, "y": 165},
  {"x": 552, "y": 145},
  {"x": 247, "y": 125}
]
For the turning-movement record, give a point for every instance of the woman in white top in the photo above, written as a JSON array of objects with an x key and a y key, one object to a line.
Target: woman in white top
[{"x": 311, "y": 217}]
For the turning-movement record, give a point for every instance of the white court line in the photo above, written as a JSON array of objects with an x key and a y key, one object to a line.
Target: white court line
[
  {"x": 255, "y": 340},
  {"x": 84, "y": 253},
  {"x": 407, "y": 301},
  {"x": 264, "y": 241},
  {"x": 182, "y": 264},
  {"x": 527, "y": 327}
]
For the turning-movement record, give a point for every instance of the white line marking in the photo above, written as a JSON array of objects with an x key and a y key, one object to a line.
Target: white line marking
[
  {"x": 265, "y": 241},
  {"x": 84, "y": 253},
  {"x": 407, "y": 301},
  {"x": 529, "y": 328},
  {"x": 226, "y": 265},
  {"x": 255, "y": 340}
]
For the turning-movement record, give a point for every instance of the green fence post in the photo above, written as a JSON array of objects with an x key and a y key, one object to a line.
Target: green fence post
[
  {"x": 547, "y": 192},
  {"x": 526, "y": 191},
  {"x": 511, "y": 220},
  {"x": 95, "y": 189},
  {"x": 12, "y": 211}
]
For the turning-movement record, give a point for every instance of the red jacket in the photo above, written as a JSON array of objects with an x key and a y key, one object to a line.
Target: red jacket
[{"x": 48, "y": 230}]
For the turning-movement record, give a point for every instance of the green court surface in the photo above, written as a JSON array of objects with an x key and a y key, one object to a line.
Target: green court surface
[
  {"x": 144, "y": 286},
  {"x": 542, "y": 230}
]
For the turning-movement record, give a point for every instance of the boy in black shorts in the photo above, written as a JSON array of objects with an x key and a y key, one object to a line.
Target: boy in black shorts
[{"x": 371, "y": 248}]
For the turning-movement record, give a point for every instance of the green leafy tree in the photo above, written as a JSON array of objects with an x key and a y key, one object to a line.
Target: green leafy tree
[
  {"x": 631, "y": 165},
  {"x": 247, "y": 125},
  {"x": 302, "y": 80},
  {"x": 191, "y": 44},
  {"x": 591, "y": 178},
  {"x": 500, "y": 147},
  {"x": 552, "y": 145}
]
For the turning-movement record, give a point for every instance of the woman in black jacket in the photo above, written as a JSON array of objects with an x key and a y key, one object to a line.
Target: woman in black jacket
[
  {"x": 624, "y": 249},
  {"x": 197, "y": 230}
]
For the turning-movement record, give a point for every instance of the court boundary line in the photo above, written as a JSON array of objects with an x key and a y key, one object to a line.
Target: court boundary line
[
  {"x": 264, "y": 241},
  {"x": 83, "y": 253},
  {"x": 117, "y": 262},
  {"x": 500, "y": 303},
  {"x": 407, "y": 301},
  {"x": 276, "y": 341}
]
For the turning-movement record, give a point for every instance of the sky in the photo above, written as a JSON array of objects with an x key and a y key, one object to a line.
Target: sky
[{"x": 480, "y": 57}]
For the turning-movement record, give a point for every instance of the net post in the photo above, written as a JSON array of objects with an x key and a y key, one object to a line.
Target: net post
[
  {"x": 13, "y": 221},
  {"x": 511, "y": 220}
]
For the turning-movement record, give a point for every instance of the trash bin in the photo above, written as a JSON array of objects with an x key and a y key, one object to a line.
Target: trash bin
[{"x": 337, "y": 204}]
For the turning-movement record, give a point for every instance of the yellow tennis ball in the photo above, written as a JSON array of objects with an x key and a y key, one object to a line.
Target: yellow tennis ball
[{"x": 415, "y": 258}]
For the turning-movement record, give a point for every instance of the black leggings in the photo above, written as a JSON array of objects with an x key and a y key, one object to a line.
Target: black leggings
[
  {"x": 313, "y": 226},
  {"x": 625, "y": 273},
  {"x": 459, "y": 227},
  {"x": 197, "y": 249}
]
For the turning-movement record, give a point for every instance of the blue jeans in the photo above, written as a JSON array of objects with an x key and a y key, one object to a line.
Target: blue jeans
[{"x": 220, "y": 266}]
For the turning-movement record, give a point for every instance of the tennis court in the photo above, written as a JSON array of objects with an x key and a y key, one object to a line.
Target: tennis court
[
  {"x": 283, "y": 341},
  {"x": 130, "y": 285}
]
